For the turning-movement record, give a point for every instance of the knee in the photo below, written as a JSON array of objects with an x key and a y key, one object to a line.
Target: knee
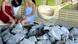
[
  {"x": 13, "y": 22},
  {"x": 22, "y": 22}
]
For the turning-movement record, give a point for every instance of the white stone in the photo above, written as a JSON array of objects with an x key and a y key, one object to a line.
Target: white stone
[
  {"x": 36, "y": 26},
  {"x": 24, "y": 32},
  {"x": 19, "y": 37},
  {"x": 11, "y": 41},
  {"x": 33, "y": 38},
  {"x": 65, "y": 30},
  {"x": 69, "y": 42},
  {"x": 19, "y": 31},
  {"x": 32, "y": 33},
  {"x": 47, "y": 28},
  {"x": 56, "y": 33},
  {"x": 44, "y": 42},
  {"x": 60, "y": 42},
  {"x": 43, "y": 37},
  {"x": 27, "y": 41},
  {"x": 7, "y": 36},
  {"x": 74, "y": 31},
  {"x": 5, "y": 32},
  {"x": 52, "y": 39},
  {"x": 18, "y": 28}
]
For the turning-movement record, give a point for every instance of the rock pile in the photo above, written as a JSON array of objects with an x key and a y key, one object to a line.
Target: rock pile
[{"x": 38, "y": 34}]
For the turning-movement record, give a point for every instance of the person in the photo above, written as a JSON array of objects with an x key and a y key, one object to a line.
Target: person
[
  {"x": 34, "y": 2},
  {"x": 16, "y": 6},
  {"x": 6, "y": 13},
  {"x": 29, "y": 16}
]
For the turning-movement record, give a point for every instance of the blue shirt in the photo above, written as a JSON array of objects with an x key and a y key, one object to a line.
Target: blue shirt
[
  {"x": 30, "y": 18},
  {"x": 28, "y": 11}
]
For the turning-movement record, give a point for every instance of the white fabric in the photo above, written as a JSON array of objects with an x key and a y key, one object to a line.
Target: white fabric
[{"x": 16, "y": 10}]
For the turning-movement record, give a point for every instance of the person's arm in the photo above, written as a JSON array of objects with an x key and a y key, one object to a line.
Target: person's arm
[
  {"x": 3, "y": 9},
  {"x": 11, "y": 19}
]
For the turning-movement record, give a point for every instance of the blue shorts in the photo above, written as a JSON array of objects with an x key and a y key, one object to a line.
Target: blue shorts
[{"x": 31, "y": 19}]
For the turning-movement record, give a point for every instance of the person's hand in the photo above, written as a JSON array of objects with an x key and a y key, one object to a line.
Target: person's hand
[{"x": 12, "y": 22}]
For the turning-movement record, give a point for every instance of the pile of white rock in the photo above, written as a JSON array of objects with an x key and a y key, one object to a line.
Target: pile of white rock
[{"x": 39, "y": 34}]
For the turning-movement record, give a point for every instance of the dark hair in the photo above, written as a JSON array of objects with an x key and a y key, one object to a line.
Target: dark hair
[
  {"x": 14, "y": 3},
  {"x": 34, "y": 1}
]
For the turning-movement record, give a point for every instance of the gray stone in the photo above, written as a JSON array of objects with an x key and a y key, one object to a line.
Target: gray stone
[
  {"x": 1, "y": 41},
  {"x": 33, "y": 38},
  {"x": 32, "y": 32},
  {"x": 19, "y": 31},
  {"x": 76, "y": 41},
  {"x": 60, "y": 42},
  {"x": 33, "y": 29},
  {"x": 47, "y": 28},
  {"x": 5, "y": 32},
  {"x": 69, "y": 42},
  {"x": 74, "y": 31},
  {"x": 52, "y": 39},
  {"x": 64, "y": 30},
  {"x": 75, "y": 37},
  {"x": 27, "y": 41},
  {"x": 36, "y": 26},
  {"x": 24, "y": 32},
  {"x": 18, "y": 28},
  {"x": 44, "y": 42},
  {"x": 57, "y": 26},
  {"x": 16, "y": 38},
  {"x": 19, "y": 37},
  {"x": 7, "y": 36},
  {"x": 3, "y": 27},
  {"x": 11, "y": 41},
  {"x": 44, "y": 37},
  {"x": 56, "y": 33}
]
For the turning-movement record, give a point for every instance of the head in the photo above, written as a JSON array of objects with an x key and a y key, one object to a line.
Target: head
[
  {"x": 29, "y": 2},
  {"x": 34, "y": 1}
]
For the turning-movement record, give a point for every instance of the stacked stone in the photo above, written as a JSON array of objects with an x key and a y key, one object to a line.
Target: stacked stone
[{"x": 39, "y": 34}]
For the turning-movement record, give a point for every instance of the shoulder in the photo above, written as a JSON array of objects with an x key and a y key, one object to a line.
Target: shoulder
[{"x": 3, "y": 3}]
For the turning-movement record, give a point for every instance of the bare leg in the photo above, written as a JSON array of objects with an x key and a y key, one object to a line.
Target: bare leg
[
  {"x": 24, "y": 22},
  {"x": 23, "y": 18},
  {"x": 12, "y": 23}
]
